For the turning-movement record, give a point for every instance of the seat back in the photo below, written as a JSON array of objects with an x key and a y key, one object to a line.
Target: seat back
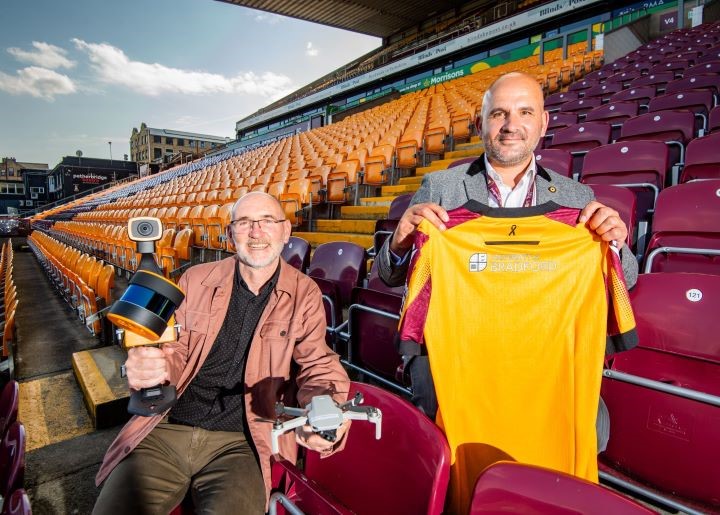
[
  {"x": 296, "y": 253},
  {"x": 686, "y": 216},
  {"x": 373, "y": 476},
  {"x": 17, "y": 504},
  {"x": 702, "y": 159},
  {"x": 580, "y": 138},
  {"x": 665, "y": 126},
  {"x": 630, "y": 162},
  {"x": 699, "y": 102},
  {"x": 675, "y": 314},
  {"x": 623, "y": 201},
  {"x": 12, "y": 459},
  {"x": 555, "y": 159},
  {"x": 373, "y": 332},
  {"x": 522, "y": 488},
  {"x": 340, "y": 262},
  {"x": 9, "y": 401}
]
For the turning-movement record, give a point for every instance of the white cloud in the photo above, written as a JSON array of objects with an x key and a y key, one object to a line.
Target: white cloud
[
  {"x": 45, "y": 55},
  {"x": 114, "y": 67},
  {"x": 37, "y": 82},
  {"x": 310, "y": 50},
  {"x": 269, "y": 18}
]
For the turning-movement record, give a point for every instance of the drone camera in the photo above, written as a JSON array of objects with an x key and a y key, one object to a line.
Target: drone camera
[{"x": 144, "y": 228}]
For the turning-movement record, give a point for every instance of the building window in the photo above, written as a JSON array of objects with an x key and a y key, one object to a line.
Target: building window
[
  {"x": 157, "y": 139},
  {"x": 168, "y": 141},
  {"x": 180, "y": 142},
  {"x": 11, "y": 172},
  {"x": 157, "y": 154},
  {"x": 168, "y": 151},
  {"x": 202, "y": 144}
]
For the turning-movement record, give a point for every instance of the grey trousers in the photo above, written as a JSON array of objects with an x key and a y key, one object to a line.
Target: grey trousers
[{"x": 219, "y": 469}]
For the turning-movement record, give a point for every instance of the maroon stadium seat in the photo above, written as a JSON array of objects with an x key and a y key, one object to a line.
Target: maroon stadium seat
[
  {"x": 699, "y": 102},
  {"x": 624, "y": 78},
  {"x": 558, "y": 120},
  {"x": 373, "y": 320},
  {"x": 702, "y": 159},
  {"x": 374, "y": 282},
  {"x": 555, "y": 159},
  {"x": 17, "y": 504},
  {"x": 641, "y": 95},
  {"x": 614, "y": 113},
  {"x": 580, "y": 86},
  {"x": 639, "y": 165},
  {"x": 510, "y": 487},
  {"x": 676, "y": 66},
  {"x": 385, "y": 226},
  {"x": 674, "y": 128},
  {"x": 580, "y": 106},
  {"x": 341, "y": 262},
  {"x": 9, "y": 401},
  {"x": 12, "y": 459},
  {"x": 656, "y": 80},
  {"x": 297, "y": 253},
  {"x": 621, "y": 200},
  {"x": 663, "y": 435},
  {"x": 554, "y": 101},
  {"x": 604, "y": 91},
  {"x": 686, "y": 235},
  {"x": 710, "y": 68},
  {"x": 578, "y": 139},
  {"x": 714, "y": 121},
  {"x": 709, "y": 82},
  {"x": 405, "y": 471}
]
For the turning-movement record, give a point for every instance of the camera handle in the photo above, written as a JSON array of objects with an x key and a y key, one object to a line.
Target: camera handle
[{"x": 156, "y": 399}]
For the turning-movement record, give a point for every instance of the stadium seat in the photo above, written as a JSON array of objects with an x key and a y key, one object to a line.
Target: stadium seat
[
  {"x": 624, "y": 202},
  {"x": 714, "y": 121},
  {"x": 674, "y": 128},
  {"x": 701, "y": 82},
  {"x": 702, "y": 159},
  {"x": 511, "y": 487},
  {"x": 641, "y": 95},
  {"x": 699, "y": 102},
  {"x": 686, "y": 235},
  {"x": 709, "y": 68},
  {"x": 373, "y": 318},
  {"x": 374, "y": 282},
  {"x": 341, "y": 262},
  {"x": 554, "y": 101},
  {"x": 578, "y": 139},
  {"x": 580, "y": 106},
  {"x": 614, "y": 113},
  {"x": 638, "y": 165},
  {"x": 12, "y": 459},
  {"x": 557, "y": 121},
  {"x": 384, "y": 227},
  {"x": 9, "y": 402},
  {"x": 297, "y": 201},
  {"x": 555, "y": 159},
  {"x": 603, "y": 91},
  {"x": 17, "y": 504},
  {"x": 372, "y": 476},
  {"x": 341, "y": 180},
  {"x": 666, "y": 392},
  {"x": 297, "y": 253},
  {"x": 379, "y": 166}
]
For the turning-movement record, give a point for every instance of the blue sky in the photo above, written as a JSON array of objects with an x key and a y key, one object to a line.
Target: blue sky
[{"x": 76, "y": 74}]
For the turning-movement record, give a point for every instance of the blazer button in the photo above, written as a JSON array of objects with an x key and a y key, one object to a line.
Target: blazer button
[
  {"x": 283, "y": 333},
  {"x": 552, "y": 189}
]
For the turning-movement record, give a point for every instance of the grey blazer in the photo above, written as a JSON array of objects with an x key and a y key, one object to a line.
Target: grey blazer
[{"x": 453, "y": 188}]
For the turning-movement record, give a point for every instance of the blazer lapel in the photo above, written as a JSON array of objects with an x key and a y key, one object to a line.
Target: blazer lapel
[
  {"x": 545, "y": 190},
  {"x": 475, "y": 181}
]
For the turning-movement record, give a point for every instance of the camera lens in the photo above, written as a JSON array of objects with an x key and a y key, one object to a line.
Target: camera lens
[{"x": 145, "y": 229}]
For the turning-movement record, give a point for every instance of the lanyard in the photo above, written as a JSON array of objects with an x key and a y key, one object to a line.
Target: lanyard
[{"x": 495, "y": 191}]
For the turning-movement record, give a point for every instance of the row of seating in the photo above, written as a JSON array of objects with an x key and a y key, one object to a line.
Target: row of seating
[
  {"x": 9, "y": 302},
  {"x": 372, "y": 476},
  {"x": 84, "y": 282},
  {"x": 13, "y": 498}
]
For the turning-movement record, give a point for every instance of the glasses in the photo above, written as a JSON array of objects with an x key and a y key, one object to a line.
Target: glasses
[{"x": 246, "y": 224}]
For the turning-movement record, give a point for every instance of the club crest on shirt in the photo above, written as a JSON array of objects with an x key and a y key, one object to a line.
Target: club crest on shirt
[{"x": 478, "y": 262}]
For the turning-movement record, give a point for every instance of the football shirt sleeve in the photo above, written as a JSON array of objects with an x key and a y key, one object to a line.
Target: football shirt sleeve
[{"x": 621, "y": 335}]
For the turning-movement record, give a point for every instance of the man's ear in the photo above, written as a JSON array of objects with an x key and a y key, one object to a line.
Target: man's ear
[
  {"x": 287, "y": 230},
  {"x": 545, "y": 122}
]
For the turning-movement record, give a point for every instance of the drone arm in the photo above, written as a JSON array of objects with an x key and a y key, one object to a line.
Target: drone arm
[
  {"x": 284, "y": 427},
  {"x": 373, "y": 415}
]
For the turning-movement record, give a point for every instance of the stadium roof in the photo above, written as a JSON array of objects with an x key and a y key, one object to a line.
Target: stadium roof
[{"x": 380, "y": 18}]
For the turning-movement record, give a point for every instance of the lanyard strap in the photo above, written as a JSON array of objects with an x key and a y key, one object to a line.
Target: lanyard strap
[{"x": 495, "y": 191}]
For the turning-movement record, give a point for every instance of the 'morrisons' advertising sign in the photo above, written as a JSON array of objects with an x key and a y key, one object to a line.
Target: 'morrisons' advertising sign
[{"x": 521, "y": 20}]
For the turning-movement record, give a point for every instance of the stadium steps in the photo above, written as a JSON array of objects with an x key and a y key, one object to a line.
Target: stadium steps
[
  {"x": 470, "y": 151},
  {"x": 97, "y": 371},
  {"x": 346, "y": 226}
]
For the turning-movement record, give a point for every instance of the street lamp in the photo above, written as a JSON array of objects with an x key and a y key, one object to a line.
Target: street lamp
[{"x": 110, "y": 144}]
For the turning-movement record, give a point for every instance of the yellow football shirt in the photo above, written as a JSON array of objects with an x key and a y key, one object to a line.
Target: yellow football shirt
[{"x": 514, "y": 306}]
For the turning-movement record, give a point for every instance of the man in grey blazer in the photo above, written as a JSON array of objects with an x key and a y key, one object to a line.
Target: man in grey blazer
[{"x": 513, "y": 121}]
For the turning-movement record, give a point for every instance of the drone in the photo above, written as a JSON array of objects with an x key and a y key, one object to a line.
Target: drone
[{"x": 325, "y": 416}]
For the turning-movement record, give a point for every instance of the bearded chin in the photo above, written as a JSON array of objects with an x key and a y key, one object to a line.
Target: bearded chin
[{"x": 515, "y": 158}]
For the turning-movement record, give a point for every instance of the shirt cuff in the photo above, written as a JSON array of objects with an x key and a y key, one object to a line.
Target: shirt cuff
[{"x": 398, "y": 260}]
